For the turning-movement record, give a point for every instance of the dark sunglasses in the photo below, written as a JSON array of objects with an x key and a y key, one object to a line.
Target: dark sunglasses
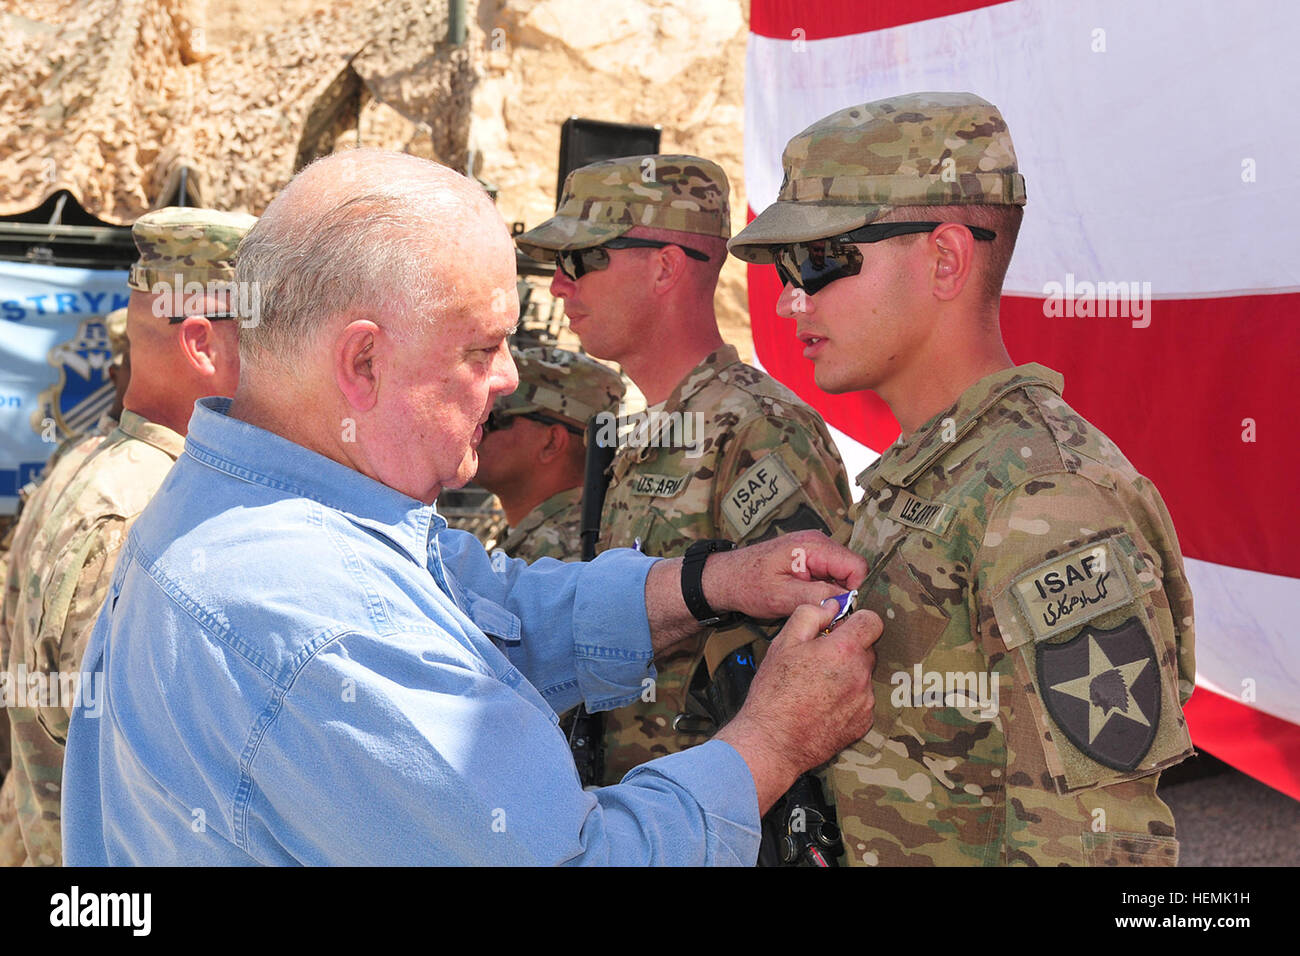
[
  {"x": 211, "y": 317},
  {"x": 498, "y": 420},
  {"x": 812, "y": 266},
  {"x": 576, "y": 263}
]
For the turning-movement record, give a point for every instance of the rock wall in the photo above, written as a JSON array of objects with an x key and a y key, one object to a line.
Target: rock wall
[{"x": 677, "y": 63}]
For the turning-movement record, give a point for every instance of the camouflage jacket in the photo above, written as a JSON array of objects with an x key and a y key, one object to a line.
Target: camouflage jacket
[
  {"x": 551, "y": 530},
  {"x": 733, "y": 454},
  {"x": 64, "y": 552},
  {"x": 1037, "y": 648}
]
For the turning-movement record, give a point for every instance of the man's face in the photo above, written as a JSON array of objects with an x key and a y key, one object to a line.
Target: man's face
[
  {"x": 445, "y": 382},
  {"x": 860, "y": 331},
  {"x": 605, "y": 307}
]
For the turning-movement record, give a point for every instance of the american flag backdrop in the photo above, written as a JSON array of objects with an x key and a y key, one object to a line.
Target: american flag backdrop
[{"x": 1160, "y": 143}]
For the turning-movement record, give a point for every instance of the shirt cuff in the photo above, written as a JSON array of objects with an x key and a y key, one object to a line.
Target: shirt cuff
[
  {"x": 612, "y": 653},
  {"x": 718, "y": 778}
]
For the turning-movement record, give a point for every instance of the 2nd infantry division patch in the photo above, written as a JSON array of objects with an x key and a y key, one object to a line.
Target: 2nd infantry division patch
[{"x": 1103, "y": 690}]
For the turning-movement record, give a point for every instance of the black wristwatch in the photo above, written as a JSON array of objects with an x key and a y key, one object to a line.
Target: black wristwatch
[{"x": 692, "y": 578}]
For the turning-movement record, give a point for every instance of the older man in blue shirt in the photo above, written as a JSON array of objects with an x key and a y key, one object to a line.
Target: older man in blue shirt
[{"x": 300, "y": 663}]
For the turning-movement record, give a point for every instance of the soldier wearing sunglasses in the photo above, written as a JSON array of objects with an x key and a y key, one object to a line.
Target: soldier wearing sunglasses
[
  {"x": 727, "y": 454},
  {"x": 1010, "y": 542},
  {"x": 533, "y": 449}
]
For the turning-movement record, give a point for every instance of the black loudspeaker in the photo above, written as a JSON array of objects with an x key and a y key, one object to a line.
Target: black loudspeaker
[{"x": 584, "y": 141}]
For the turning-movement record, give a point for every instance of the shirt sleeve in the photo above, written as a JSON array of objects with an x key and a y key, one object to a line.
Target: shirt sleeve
[
  {"x": 583, "y": 631},
  {"x": 777, "y": 475},
  {"x": 1077, "y": 588},
  {"x": 433, "y": 759}
]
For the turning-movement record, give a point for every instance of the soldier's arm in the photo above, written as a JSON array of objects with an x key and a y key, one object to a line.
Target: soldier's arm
[
  {"x": 1079, "y": 602},
  {"x": 779, "y": 474},
  {"x": 72, "y": 604}
]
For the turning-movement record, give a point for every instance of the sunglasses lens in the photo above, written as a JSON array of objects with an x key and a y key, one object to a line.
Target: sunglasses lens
[{"x": 812, "y": 266}]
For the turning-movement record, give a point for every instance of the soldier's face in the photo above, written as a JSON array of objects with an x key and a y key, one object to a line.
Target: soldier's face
[
  {"x": 507, "y": 457},
  {"x": 862, "y": 330},
  {"x": 605, "y": 307}
]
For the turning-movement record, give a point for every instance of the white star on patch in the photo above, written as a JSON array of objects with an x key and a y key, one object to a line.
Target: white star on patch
[{"x": 1081, "y": 687}]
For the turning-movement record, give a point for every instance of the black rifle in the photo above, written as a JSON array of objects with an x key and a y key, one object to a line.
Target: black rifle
[{"x": 587, "y": 730}]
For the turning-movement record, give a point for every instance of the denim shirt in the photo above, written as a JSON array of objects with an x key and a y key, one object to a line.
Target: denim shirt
[{"x": 298, "y": 664}]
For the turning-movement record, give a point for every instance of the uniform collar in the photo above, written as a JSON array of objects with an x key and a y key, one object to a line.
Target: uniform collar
[
  {"x": 151, "y": 433},
  {"x": 543, "y": 513},
  {"x": 701, "y": 375},
  {"x": 903, "y": 461}
]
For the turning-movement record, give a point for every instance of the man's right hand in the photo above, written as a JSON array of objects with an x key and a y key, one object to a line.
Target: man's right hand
[{"x": 810, "y": 699}]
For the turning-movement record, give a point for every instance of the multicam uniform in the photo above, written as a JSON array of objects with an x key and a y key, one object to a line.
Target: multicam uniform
[
  {"x": 760, "y": 463},
  {"x": 1009, "y": 540},
  {"x": 67, "y": 541},
  {"x": 551, "y": 530},
  {"x": 64, "y": 553}
]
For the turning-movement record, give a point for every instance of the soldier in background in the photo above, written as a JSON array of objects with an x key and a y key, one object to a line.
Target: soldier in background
[
  {"x": 1038, "y": 624},
  {"x": 67, "y": 542},
  {"x": 533, "y": 454},
  {"x": 725, "y": 451}
]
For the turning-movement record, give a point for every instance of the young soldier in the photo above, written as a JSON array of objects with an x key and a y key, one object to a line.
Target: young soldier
[{"x": 1038, "y": 624}]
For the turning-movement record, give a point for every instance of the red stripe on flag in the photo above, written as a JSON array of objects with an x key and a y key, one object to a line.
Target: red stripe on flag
[
  {"x": 1178, "y": 397},
  {"x": 820, "y": 19},
  {"x": 1256, "y": 743}
]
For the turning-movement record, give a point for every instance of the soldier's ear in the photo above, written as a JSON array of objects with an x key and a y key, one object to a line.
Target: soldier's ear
[
  {"x": 201, "y": 346},
  {"x": 355, "y": 371},
  {"x": 953, "y": 251},
  {"x": 556, "y": 444}
]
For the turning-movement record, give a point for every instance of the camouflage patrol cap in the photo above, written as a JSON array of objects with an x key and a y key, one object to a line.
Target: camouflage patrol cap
[
  {"x": 852, "y": 167},
  {"x": 196, "y": 244},
  {"x": 115, "y": 322},
  {"x": 607, "y": 199},
  {"x": 562, "y": 383}
]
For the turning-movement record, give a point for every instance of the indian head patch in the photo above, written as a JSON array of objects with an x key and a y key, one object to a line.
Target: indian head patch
[{"x": 1103, "y": 690}]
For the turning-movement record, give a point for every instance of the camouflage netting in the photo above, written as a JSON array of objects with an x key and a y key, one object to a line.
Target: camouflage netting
[{"x": 109, "y": 99}]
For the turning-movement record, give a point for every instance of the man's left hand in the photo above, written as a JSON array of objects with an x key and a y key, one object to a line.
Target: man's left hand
[{"x": 770, "y": 579}]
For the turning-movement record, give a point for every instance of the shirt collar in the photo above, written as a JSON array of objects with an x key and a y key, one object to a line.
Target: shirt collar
[
  {"x": 160, "y": 436},
  {"x": 701, "y": 375},
  {"x": 261, "y": 457},
  {"x": 902, "y": 462}
]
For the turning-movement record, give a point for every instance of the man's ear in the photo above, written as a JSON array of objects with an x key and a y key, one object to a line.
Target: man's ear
[
  {"x": 556, "y": 445},
  {"x": 200, "y": 344},
  {"x": 355, "y": 370},
  {"x": 953, "y": 249},
  {"x": 669, "y": 267}
]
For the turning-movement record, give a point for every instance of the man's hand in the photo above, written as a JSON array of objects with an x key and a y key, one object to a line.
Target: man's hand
[
  {"x": 766, "y": 581},
  {"x": 770, "y": 579},
  {"x": 810, "y": 699}
]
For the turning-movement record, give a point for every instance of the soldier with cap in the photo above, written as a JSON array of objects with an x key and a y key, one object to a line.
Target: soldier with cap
[
  {"x": 1038, "y": 638},
  {"x": 67, "y": 542},
  {"x": 725, "y": 454},
  {"x": 533, "y": 454}
]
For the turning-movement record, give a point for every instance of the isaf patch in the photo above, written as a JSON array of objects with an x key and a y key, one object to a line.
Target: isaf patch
[
  {"x": 757, "y": 493},
  {"x": 659, "y": 486},
  {"x": 1103, "y": 690},
  {"x": 1072, "y": 590}
]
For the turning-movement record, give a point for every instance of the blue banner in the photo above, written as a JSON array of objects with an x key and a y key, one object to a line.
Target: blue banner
[{"x": 54, "y": 358}]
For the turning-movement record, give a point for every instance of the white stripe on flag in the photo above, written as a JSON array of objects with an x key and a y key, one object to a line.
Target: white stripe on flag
[
  {"x": 1245, "y": 631},
  {"x": 1133, "y": 156}
]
